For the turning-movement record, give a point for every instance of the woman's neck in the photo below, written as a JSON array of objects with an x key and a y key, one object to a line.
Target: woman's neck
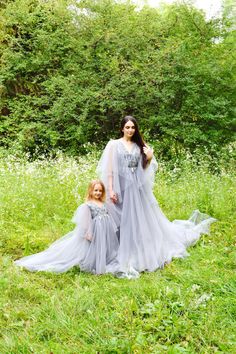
[{"x": 127, "y": 140}]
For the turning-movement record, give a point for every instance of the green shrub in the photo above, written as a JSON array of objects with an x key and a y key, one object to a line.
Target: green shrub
[{"x": 68, "y": 75}]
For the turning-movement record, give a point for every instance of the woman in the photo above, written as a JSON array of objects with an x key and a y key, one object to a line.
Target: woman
[{"x": 148, "y": 239}]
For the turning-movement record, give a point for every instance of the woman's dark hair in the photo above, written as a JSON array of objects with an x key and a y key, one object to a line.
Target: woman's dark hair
[{"x": 137, "y": 138}]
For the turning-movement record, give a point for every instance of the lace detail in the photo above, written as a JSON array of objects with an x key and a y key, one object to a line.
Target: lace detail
[
  {"x": 97, "y": 211},
  {"x": 132, "y": 161}
]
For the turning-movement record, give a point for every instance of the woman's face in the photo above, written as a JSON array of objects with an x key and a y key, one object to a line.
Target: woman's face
[
  {"x": 97, "y": 191},
  {"x": 129, "y": 129}
]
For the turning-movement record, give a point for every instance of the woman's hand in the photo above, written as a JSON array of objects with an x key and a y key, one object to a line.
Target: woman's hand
[
  {"x": 113, "y": 197},
  {"x": 148, "y": 152}
]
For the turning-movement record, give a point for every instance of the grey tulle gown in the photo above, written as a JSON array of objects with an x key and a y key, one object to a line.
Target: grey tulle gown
[
  {"x": 148, "y": 239},
  {"x": 97, "y": 256}
]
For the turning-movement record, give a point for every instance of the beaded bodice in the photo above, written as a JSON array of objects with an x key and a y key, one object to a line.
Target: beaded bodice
[
  {"x": 131, "y": 158},
  {"x": 132, "y": 161},
  {"x": 97, "y": 211}
]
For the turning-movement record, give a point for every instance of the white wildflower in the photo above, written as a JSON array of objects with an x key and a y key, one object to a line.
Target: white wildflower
[
  {"x": 202, "y": 300},
  {"x": 195, "y": 287}
]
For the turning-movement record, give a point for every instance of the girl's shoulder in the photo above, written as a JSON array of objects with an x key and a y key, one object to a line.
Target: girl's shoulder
[
  {"x": 81, "y": 214},
  {"x": 91, "y": 204},
  {"x": 82, "y": 208}
]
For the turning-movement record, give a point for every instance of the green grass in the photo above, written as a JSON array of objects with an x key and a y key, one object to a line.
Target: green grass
[{"x": 188, "y": 307}]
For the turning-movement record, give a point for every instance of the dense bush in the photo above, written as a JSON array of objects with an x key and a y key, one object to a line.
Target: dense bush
[{"x": 69, "y": 72}]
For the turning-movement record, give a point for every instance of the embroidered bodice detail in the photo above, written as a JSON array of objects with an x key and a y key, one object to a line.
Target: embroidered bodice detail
[
  {"x": 97, "y": 211},
  {"x": 131, "y": 158},
  {"x": 132, "y": 161}
]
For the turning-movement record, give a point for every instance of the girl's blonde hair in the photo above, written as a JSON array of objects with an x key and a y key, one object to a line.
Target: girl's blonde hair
[{"x": 91, "y": 188}]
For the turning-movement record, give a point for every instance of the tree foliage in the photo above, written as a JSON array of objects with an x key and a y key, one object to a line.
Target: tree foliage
[{"x": 70, "y": 71}]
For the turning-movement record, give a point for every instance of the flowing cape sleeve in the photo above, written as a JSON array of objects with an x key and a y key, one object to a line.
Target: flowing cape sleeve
[
  {"x": 83, "y": 220},
  {"x": 108, "y": 167},
  {"x": 150, "y": 172},
  {"x": 105, "y": 164}
]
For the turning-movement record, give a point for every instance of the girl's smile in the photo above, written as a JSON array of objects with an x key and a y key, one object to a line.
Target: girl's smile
[{"x": 97, "y": 192}]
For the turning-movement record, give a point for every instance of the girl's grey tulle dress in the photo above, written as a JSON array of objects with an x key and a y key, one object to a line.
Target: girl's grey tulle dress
[
  {"x": 147, "y": 238},
  {"x": 97, "y": 256}
]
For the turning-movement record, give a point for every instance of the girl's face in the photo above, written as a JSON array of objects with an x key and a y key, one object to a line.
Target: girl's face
[
  {"x": 97, "y": 191},
  {"x": 129, "y": 129}
]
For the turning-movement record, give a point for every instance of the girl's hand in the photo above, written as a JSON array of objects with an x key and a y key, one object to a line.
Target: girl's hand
[
  {"x": 148, "y": 152},
  {"x": 113, "y": 197},
  {"x": 89, "y": 237}
]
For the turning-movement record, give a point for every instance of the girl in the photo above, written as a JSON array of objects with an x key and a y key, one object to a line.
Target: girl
[
  {"x": 148, "y": 240},
  {"x": 92, "y": 245}
]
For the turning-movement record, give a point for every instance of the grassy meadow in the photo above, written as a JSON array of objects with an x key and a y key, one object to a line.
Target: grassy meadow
[{"x": 188, "y": 307}]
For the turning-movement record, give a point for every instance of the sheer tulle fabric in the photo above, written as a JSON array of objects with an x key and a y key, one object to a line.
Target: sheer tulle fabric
[
  {"x": 74, "y": 249},
  {"x": 148, "y": 239}
]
